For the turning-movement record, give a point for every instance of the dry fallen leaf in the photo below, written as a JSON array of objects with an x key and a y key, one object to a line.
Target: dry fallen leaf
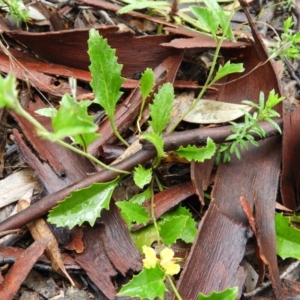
[
  {"x": 39, "y": 230},
  {"x": 210, "y": 111},
  {"x": 24, "y": 180}
]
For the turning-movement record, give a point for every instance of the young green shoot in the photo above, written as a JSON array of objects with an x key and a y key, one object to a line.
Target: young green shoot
[
  {"x": 106, "y": 77},
  {"x": 241, "y": 135},
  {"x": 146, "y": 86}
]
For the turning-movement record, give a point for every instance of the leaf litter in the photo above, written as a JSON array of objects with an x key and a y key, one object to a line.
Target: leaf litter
[{"x": 224, "y": 227}]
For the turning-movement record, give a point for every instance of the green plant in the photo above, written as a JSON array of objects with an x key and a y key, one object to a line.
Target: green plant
[
  {"x": 16, "y": 8},
  {"x": 241, "y": 136},
  {"x": 87, "y": 204},
  {"x": 288, "y": 5},
  {"x": 181, "y": 11},
  {"x": 288, "y": 43}
]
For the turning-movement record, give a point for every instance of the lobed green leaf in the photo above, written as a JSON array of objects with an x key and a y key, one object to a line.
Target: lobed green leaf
[
  {"x": 198, "y": 154},
  {"x": 227, "y": 69},
  {"x": 287, "y": 237},
  {"x": 106, "y": 72},
  {"x": 72, "y": 120},
  {"x": 133, "y": 213},
  {"x": 148, "y": 284},
  {"x": 171, "y": 229},
  {"x": 157, "y": 141},
  {"x": 84, "y": 205},
  {"x": 142, "y": 176},
  {"x": 161, "y": 108},
  {"x": 147, "y": 82}
]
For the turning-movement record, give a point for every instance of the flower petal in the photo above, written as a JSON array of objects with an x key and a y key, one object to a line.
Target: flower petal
[
  {"x": 150, "y": 259},
  {"x": 166, "y": 255},
  {"x": 170, "y": 268}
]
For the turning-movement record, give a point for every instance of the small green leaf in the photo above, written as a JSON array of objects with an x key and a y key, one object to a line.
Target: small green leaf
[
  {"x": 157, "y": 141},
  {"x": 144, "y": 237},
  {"x": 134, "y": 5},
  {"x": 188, "y": 231},
  {"x": 8, "y": 92},
  {"x": 218, "y": 13},
  {"x": 142, "y": 197},
  {"x": 133, "y": 212},
  {"x": 227, "y": 69},
  {"x": 147, "y": 82},
  {"x": 106, "y": 73},
  {"x": 83, "y": 205},
  {"x": 72, "y": 120},
  {"x": 196, "y": 153},
  {"x": 206, "y": 19},
  {"x": 148, "y": 284},
  {"x": 142, "y": 176},
  {"x": 161, "y": 108},
  {"x": 228, "y": 294},
  {"x": 287, "y": 237},
  {"x": 273, "y": 99},
  {"x": 171, "y": 229}
]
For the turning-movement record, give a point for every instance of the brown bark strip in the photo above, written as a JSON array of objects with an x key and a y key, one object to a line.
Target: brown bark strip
[
  {"x": 213, "y": 263},
  {"x": 256, "y": 176},
  {"x": 21, "y": 268},
  {"x": 117, "y": 242},
  {"x": 290, "y": 178},
  {"x": 95, "y": 262},
  {"x": 55, "y": 47}
]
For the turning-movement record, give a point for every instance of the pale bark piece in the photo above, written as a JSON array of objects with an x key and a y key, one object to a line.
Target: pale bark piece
[
  {"x": 39, "y": 230},
  {"x": 42, "y": 284},
  {"x": 21, "y": 268},
  {"x": 95, "y": 262},
  {"x": 118, "y": 243},
  {"x": 24, "y": 180},
  {"x": 290, "y": 178},
  {"x": 27, "y": 295}
]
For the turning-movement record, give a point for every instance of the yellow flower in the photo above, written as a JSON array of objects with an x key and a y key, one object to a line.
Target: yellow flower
[
  {"x": 150, "y": 257},
  {"x": 167, "y": 262}
]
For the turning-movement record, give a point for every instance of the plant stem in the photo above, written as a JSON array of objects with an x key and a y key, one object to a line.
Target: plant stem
[
  {"x": 153, "y": 215},
  {"x": 209, "y": 82},
  {"x": 116, "y": 132},
  {"x": 173, "y": 287},
  {"x": 90, "y": 157},
  {"x": 42, "y": 131}
]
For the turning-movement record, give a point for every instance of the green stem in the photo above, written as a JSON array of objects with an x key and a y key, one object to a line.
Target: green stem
[
  {"x": 90, "y": 157},
  {"x": 209, "y": 82},
  {"x": 158, "y": 238},
  {"x": 116, "y": 132},
  {"x": 42, "y": 131},
  {"x": 153, "y": 215},
  {"x": 174, "y": 287}
]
